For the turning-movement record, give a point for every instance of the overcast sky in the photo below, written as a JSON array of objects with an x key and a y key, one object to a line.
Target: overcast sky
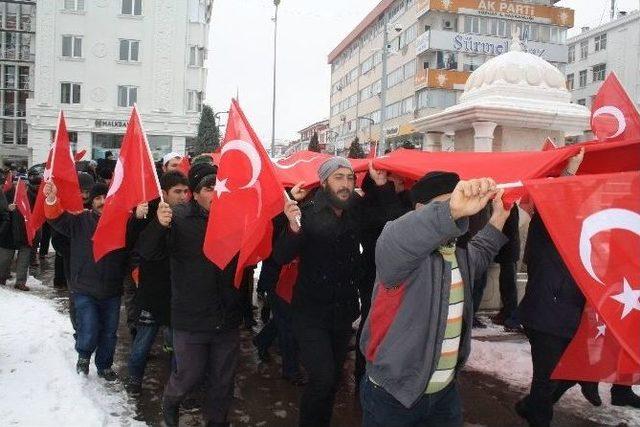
[{"x": 241, "y": 55}]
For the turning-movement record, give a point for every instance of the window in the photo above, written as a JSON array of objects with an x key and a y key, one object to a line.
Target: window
[
  {"x": 9, "y": 77},
  {"x": 446, "y": 60},
  {"x": 583, "y": 78},
  {"x": 410, "y": 69},
  {"x": 129, "y": 50},
  {"x": 21, "y": 132},
  {"x": 196, "y": 56},
  {"x": 72, "y": 46},
  {"x": 394, "y": 110},
  {"x": 409, "y": 35},
  {"x": 75, "y": 5},
  {"x": 599, "y": 72},
  {"x": 584, "y": 49},
  {"x": 570, "y": 81},
  {"x": 545, "y": 33},
  {"x": 395, "y": 77},
  {"x": 582, "y": 101},
  {"x": 572, "y": 54},
  {"x": 367, "y": 65},
  {"x": 436, "y": 98},
  {"x": 194, "y": 100},
  {"x": 70, "y": 93},
  {"x": 493, "y": 27},
  {"x": 127, "y": 96},
  {"x": 601, "y": 42},
  {"x": 407, "y": 105},
  {"x": 8, "y": 131},
  {"x": 132, "y": 7},
  {"x": 472, "y": 24},
  {"x": 555, "y": 35},
  {"x": 198, "y": 11}
]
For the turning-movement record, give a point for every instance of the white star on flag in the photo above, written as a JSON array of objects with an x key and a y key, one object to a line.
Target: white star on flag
[
  {"x": 221, "y": 187},
  {"x": 629, "y": 297}
]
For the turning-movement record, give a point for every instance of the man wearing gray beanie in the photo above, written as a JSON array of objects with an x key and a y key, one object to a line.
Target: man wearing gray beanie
[{"x": 326, "y": 233}]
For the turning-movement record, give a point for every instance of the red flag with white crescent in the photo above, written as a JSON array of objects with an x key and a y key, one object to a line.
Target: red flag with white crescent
[
  {"x": 614, "y": 116},
  {"x": 61, "y": 168},
  {"x": 134, "y": 182},
  {"x": 21, "y": 200},
  {"x": 597, "y": 233},
  {"x": 248, "y": 195}
]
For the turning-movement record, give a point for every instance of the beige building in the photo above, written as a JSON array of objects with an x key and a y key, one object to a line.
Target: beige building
[{"x": 433, "y": 46}]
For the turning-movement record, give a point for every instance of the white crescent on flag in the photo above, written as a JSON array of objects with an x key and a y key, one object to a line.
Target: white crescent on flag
[
  {"x": 252, "y": 154},
  {"x": 604, "y": 220},
  {"x": 294, "y": 164},
  {"x": 118, "y": 175},
  {"x": 617, "y": 114}
]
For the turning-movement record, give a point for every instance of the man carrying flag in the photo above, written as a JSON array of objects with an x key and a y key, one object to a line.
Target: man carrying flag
[{"x": 16, "y": 234}]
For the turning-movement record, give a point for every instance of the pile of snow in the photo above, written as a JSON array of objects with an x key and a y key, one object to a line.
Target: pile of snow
[
  {"x": 510, "y": 360},
  {"x": 38, "y": 382}
]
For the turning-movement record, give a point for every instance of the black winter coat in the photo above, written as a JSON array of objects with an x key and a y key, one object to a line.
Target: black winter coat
[
  {"x": 552, "y": 301},
  {"x": 203, "y": 297},
  {"x": 12, "y": 228},
  {"x": 330, "y": 260},
  {"x": 510, "y": 252},
  {"x": 102, "y": 279}
]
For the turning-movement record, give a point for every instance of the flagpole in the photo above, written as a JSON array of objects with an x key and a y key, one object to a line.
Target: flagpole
[
  {"x": 53, "y": 155},
  {"x": 146, "y": 143},
  {"x": 289, "y": 199}
]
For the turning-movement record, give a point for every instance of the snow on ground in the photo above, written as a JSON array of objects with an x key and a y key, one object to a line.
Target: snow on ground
[
  {"x": 38, "y": 382},
  {"x": 510, "y": 360}
]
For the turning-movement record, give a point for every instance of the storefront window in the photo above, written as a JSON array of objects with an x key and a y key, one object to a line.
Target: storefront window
[
  {"x": 159, "y": 145},
  {"x": 103, "y": 142}
]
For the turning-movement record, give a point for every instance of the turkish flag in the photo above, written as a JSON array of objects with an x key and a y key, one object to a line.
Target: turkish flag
[
  {"x": 614, "y": 116},
  {"x": 8, "y": 182},
  {"x": 549, "y": 145},
  {"x": 303, "y": 166},
  {"x": 595, "y": 355},
  {"x": 594, "y": 221},
  {"x": 287, "y": 280},
  {"x": 248, "y": 195},
  {"x": 79, "y": 155},
  {"x": 22, "y": 204},
  {"x": 134, "y": 182},
  {"x": 184, "y": 166},
  {"x": 61, "y": 168}
]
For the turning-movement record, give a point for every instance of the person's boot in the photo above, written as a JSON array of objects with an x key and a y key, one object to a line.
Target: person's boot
[
  {"x": 170, "y": 414},
  {"x": 133, "y": 386},
  {"x": 523, "y": 412},
  {"x": 590, "y": 392},
  {"x": 22, "y": 287},
  {"x": 622, "y": 395},
  {"x": 107, "y": 374},
  {"x": 82, "y": 367}
]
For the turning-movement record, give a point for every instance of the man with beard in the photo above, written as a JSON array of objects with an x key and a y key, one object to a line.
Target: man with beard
[
  {"x": 326, "y": 235},
  {"x": 96, "y": 287}
]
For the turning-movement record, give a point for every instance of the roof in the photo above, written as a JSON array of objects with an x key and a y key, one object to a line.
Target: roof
[
  {"x": 617, "y": 22},
  {"x": 360, "y": 28},
  {"x": 321, "y": 122}
]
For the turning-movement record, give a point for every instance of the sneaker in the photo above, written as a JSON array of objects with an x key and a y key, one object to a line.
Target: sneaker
[
  {"x": 82, "y": 367},
  {"x": 107, "y": 374},
  {"x": 624, "y": 396},
  {"x": 478, "y": 324},
  {"x": 22, "y": 287},
  {"x": 170, "y": 414}
]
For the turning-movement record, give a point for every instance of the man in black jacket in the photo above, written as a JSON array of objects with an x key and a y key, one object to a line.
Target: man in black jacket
[
  {"x": 205, "y": 306},
  {"x": 325, "y": 299},
  {"x": 96, "y": 287},
  {"x": 153, "y": 296},
  {"x": 13, "y": 239}
]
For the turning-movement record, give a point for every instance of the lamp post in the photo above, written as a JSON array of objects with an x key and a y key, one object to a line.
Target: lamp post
[
  {"x": 276, "y": 3},
  {"x": 216, "y": 120},
  {"x": 331, "y": 136},
  {"x": 371, "y": 123}
]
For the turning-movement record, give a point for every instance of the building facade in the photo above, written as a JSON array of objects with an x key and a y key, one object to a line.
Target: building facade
[
  {"x": 433, "y": 46},
  {"x": 17, "y": 56},
  {"x": 96, "y": 59},
  {"x": 594, "y": 53},
  {"x": 324, "y": 137}
]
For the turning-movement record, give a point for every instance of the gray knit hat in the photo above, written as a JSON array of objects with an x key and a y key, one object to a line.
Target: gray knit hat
[{"x": 331, "y": 165}]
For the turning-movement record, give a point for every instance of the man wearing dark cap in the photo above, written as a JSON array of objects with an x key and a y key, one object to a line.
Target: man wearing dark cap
[
  {"x": 205, "y": 306},
  {"x": 418, "y": 332},
  {"x": 326, "y": 235},
  {"x": 96, "y": 287}
]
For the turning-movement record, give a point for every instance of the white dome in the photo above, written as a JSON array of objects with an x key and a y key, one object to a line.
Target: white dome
[{"x": 516, "y": 74}]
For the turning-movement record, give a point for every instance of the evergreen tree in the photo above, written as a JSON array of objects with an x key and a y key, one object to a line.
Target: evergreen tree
[
  {"x": 314, "y": 144},
  {"x": 208, "y": 139},
  {"x": 355, "y": 150}
]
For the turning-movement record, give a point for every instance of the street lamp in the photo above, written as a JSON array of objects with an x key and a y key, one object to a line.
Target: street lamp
[
  {"x": 216, "y": 120},
  {"x": 331, "y": 136},
  {"x": 276, "y": 3}
]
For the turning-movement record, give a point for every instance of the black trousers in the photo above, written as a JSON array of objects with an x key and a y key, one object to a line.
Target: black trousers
[
  {"x": 508, "y": 289},
  {"x": 546, "y": 351},
  {"x": 322, "y": 351},
  {"x": 200, "y": 355},
  {"x": 365, "y": 307}
]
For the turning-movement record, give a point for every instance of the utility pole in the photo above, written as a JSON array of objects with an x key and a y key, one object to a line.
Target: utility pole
[
  {"x": 276, "y": 3},
  {"x": 383, "y": 85},
  {"x": 613, "y": 9}
]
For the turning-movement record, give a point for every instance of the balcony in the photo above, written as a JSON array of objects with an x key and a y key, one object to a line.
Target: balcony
[{"x": 440, "y": 79}]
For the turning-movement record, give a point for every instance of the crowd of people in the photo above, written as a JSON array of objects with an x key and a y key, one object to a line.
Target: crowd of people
[{"x": 409, "y": 262}]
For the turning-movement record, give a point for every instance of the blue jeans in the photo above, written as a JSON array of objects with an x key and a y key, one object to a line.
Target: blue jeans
[
  {"x": 140, "y": 349},
  {"x": 97, "y": 323},
  {"x": 379, "y": 408}
]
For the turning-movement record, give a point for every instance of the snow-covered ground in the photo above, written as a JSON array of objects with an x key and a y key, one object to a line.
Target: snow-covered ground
[
  {"x": 511, "y": 361},
  {"x": 38, "y": 382}
]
